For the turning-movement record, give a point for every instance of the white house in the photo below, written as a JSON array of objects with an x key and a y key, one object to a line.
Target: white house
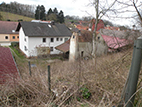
[{"x": 41, "y": 38}]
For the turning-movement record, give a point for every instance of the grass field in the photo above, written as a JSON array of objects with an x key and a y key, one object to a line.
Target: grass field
[{"x": 14, "y": 17}]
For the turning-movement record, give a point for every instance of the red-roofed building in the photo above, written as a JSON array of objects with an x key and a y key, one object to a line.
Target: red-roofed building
[
  {"x": 113, "y": 42},
  {"x": 81, "y": 27},
  {"x": 100, "y": 25},
  {"x": 112, "y": 28},
  {"x": 8, "y": 69}
]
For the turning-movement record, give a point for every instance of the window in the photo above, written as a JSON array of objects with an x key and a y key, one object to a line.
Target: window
[
  {"x": 82, "y": 52},
  {"x": 66, "y": 39},
  {"x": 13, "y": 37},
  {"x": 52, "y": 39},
  {"x": 98, "y": 38},
  {"x": 17, "y": 37},
  {"x": 25, "y": 39},
  {"x": 44, "y": 40},
  {"x": 44, "y": 50},
  {"x": 73, "y": 37},
  {"x": 57, "y": 39},
  {"x": 25, "y": 48},
  {"x": 51, "y": 48},
  {"x": 61, "y": 39},
  {"x": 6, "y": 37}
]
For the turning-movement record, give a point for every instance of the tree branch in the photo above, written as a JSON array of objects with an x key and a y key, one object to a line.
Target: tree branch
[{"x": 137, "y": 11}]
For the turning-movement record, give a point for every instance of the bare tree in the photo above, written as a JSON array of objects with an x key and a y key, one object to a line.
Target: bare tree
[
  {"x": 129, "y": 9},
  {"x": 101, "y": 8},
  {"x": 138, "y": 12}
]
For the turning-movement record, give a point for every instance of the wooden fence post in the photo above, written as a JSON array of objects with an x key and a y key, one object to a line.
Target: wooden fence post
[
  {"x": 49, "y": 81},
  {"x": 30, "y": 68}
]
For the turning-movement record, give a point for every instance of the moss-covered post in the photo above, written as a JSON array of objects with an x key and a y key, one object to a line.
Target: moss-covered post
[{"x": 134, "y": 73}]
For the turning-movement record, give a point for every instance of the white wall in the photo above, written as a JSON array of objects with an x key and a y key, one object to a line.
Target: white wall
[
  {"x": 22, "y": 42},
  {"x": 73, "y": 47},
  {"x": 35, "y": 42}
]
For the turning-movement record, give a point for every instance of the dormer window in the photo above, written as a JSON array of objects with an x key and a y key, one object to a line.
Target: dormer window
[
  {"x": 13, "y": 31},
  {"x": 49, "y": 25}
]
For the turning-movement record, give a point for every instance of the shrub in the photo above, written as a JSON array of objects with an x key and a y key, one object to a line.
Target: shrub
[{"x": 85, "y": 93}]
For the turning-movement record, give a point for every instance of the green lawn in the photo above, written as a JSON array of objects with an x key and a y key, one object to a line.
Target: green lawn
[{"x": 14, "y": 17}]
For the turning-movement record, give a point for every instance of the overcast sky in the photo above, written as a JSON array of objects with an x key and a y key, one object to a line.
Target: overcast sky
[
  {"x": 69, "y": 7},
  {"x": 79, "y": 8}
]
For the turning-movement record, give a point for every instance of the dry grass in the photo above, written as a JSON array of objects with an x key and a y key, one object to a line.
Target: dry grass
[{"x": 68, "y": 81}]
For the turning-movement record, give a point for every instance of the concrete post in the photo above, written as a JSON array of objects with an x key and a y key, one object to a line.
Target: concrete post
[{"x": 134, "y": 73}]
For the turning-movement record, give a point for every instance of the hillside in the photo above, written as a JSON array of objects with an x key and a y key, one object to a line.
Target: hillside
[
  {"x": 75, "y": 84},
  {"x": 14, "y": 17}
]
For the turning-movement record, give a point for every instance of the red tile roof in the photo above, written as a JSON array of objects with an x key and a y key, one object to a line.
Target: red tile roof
[
  {"x": 115, "y": 42},
  {"x": 112, "y": 28},
  {"x": 6, "y": 27},
  {"x": 64, "y": 47},
  {"x": 81, "y": 27},
  {"x": 8, "y": 67},
  {"x": 86, "y": 36}
]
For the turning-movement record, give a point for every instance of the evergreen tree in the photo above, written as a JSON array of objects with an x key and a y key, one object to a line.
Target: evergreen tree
[
  {"x": 42, "y": 13},
  {"x": 49, "y": 12},
  {"x": 55, "y": 11},
  {"x": 54, "y": 15},
  {"x": 37, "y": 12},
  {"x": 61, "y": 17}
]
